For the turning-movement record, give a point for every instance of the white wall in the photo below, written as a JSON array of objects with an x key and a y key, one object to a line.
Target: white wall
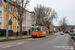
[
  {"x": 2, "y": 16},
  {"x": 28, "y": 21}
]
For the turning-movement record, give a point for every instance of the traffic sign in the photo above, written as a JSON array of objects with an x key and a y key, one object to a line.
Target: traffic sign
[{"x": 10, "y": 22}]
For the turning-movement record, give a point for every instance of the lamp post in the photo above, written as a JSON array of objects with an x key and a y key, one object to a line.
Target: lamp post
[{"x": 7, "y": 17}]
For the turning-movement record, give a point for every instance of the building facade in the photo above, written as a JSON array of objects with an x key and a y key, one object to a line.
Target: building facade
[
  {"x": 28, "y": 17},
  {"x": 12, "y": 9},
  {"x": 1, "y": 14},
  {"x": 32, "y": 18},
  {"x": 28, "y": 20}
]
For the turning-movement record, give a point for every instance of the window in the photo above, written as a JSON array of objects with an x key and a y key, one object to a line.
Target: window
[
  {"x": 14, "y": 10},
  {"x": 0, "y": 24},
  {"x": 0, "y": 2},
  {"x": 0, "y": 13},
  {"x": 14, "y": 0},
  {"x": 13, "y": 19},
  {"x": 11, "y": 9},
  {"x": 13, "y": 28}
]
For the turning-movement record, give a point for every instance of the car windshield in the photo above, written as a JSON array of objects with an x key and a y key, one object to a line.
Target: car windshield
[{"x": 74, "y": 34}]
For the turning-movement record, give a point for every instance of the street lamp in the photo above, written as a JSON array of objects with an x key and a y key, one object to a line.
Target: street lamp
[{"x": 7, "y": 17}]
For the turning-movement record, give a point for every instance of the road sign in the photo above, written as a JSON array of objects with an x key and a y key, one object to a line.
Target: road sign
[
  {"x": 10, "y": 22},
  {"x": 19, "y": 23}
]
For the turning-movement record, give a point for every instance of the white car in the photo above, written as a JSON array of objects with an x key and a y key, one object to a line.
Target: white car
[{"x": 61, "y": 33}]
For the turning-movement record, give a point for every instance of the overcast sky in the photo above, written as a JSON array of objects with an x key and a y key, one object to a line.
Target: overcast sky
[{"x": 62, "y": 7}]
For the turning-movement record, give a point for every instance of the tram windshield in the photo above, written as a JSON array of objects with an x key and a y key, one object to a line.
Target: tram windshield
[{"x": 35, "y": 29}]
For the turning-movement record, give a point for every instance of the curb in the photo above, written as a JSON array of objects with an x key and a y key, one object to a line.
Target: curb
[{"x": 15, "y": 39}]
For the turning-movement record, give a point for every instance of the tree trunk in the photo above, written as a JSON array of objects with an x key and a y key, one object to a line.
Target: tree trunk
[
  {"x": 49, "y": 29},
  {"x": 21, "y": 30}
]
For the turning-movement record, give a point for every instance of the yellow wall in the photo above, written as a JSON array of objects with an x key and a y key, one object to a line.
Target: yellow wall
[{"x": 13, "y": 22}]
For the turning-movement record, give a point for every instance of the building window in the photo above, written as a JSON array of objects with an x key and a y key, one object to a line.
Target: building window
[
  {"x": 0, "y": 2},
  {"x": 0, "y": 13},
  {"x": 0, "y": 25},
  {"x": 13, "y": 19},
  {"x": 11, "y": 9},
  {"x": 13, "y": 28},
  {"x": 14, "y": 10}
]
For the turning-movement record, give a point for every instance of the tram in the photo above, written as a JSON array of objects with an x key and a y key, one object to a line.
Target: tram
[{"x": 38, "y": 30}]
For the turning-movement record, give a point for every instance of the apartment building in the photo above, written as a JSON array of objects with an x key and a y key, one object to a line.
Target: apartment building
[
  {"x": 28, "y": 20},
  {"x": 32, "y": 18},
  {"x": 12, "y": 9},
  {"x": 1, "y": 14},
  {"x": 28, "y": 17}
]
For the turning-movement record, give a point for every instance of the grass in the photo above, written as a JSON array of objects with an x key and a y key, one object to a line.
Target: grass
[
  {"x": 66, "y": 33},
  {"x": 50, "y": 34},
  {"x": 4, "y": 39}
]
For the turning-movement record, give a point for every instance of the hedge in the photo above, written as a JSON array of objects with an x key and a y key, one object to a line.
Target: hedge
[{"x": 3, "y": 32}]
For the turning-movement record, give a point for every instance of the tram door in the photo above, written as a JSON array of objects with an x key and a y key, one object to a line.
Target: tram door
[{"x": 43, "y": 30}]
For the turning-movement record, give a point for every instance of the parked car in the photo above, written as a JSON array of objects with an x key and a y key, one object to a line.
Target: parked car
[
  {"x": 61, "y": 33},
  {"x": 70, "y": 33},
  {"x": 73, "y": 36}
]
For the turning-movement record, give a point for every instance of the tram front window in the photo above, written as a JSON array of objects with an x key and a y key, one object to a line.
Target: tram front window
[{"x": 35, "y": 29}]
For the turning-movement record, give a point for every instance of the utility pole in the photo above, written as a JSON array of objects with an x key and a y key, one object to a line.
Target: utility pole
[{"x": 7, "y": 17}]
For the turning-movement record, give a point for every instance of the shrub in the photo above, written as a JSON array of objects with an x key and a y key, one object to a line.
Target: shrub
[
  {"x": 24, "y": 33},
  {"x": 3, "y": 32}
]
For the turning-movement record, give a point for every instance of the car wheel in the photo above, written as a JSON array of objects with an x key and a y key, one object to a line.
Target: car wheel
[{"x": 71, "y": 37}]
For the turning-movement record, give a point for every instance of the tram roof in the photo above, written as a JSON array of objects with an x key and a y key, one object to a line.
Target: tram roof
[{"x": 38, "y": 25}]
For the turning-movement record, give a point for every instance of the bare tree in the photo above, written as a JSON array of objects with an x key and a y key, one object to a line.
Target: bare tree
[
  {"x": 44, "y": 15},
  {"x": 21, "y": 10},
  {"x": 63, "y": 24}
]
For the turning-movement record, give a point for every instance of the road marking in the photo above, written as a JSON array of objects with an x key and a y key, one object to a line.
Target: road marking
[
  {"x": 7, "y": 46},
  {"x": 19, "y": 43}
]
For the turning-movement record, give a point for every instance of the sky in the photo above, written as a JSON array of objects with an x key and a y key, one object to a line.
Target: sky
[{"x": 62, "y": 7}]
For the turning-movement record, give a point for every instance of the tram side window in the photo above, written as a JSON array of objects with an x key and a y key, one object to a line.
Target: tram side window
[
  {"x": 43, "y": 29},
  {"x": 33, "y": 29},
  {"x": 38, "y": 29}
]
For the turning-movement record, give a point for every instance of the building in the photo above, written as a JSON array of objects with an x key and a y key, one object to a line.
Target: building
[
  {"x": 12, "y": 9},
  {"x": 32, "y": 18},
  {"x": 28, "y": 17},
  {"x": 28, "y": 21},
  {"x": 1, "y": 14}
]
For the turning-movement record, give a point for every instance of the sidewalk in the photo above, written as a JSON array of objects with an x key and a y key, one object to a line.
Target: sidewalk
[{"x": 14, "y": 37}]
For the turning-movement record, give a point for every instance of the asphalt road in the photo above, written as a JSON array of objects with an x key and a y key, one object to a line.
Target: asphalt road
[{"x": 59, "y": 42}]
